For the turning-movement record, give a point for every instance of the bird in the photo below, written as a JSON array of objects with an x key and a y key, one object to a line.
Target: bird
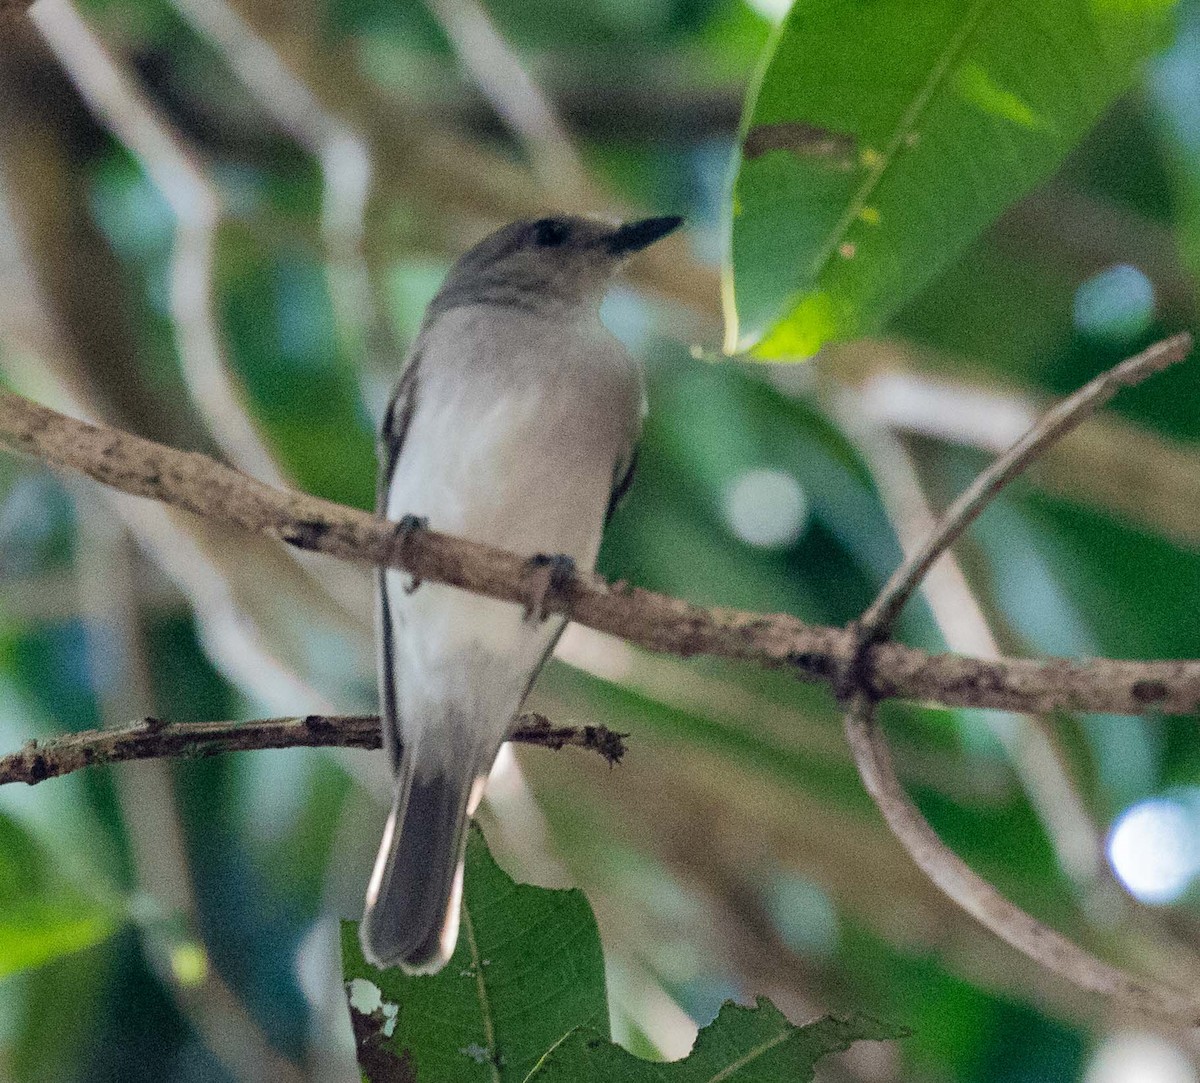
[{"x": 515, "y": 423}]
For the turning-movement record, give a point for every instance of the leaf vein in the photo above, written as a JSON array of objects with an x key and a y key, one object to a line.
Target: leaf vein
[
  {"x": 911, "y": 117},
  {"x": 753, "y": 1054},
  {"x": 485, "y": 1007}
]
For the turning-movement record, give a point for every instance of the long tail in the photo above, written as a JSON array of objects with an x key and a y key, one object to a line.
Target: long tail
[{"x": 414, "y": 896}]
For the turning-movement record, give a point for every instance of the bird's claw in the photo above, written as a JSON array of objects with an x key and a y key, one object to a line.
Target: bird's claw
[
  {"x": 548, "y": 576},
  {"x": 406, "y": 526}
]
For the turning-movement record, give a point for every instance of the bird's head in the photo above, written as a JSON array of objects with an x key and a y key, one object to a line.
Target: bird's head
[{"x": 549, "y": 263}]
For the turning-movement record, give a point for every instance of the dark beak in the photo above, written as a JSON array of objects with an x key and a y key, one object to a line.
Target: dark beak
[{"x": 634, "y": 236}]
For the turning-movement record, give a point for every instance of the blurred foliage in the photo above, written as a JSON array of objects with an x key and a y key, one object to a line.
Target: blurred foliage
[
  {"x": 734, "y": 853},
  {"x": 41, "y": 915}
]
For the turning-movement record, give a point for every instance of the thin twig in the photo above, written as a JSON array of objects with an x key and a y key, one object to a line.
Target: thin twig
[
  {"x": 1053, "y": 426},
  {"x": 654, "y": 621},
  {"x": 872, "y": 754},
  {"x": 1112, "y": 464},
  {"x": 518, "y": 100},
  {"x": 178, "y": 175},
  {"x": 1028, "y": 740},
  {"x": 979, "y": 899},
  {"x": 152, "y": 738},
  {"x": 342, "y": 151}
]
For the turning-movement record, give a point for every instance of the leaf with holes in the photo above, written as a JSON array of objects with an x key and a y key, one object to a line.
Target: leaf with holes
[
  {"x": 523, "y": 999},
  {"x": 883, "y": 137},
  {"x": 527, "y": 970},
  {"x": 742, "y": 1045}
]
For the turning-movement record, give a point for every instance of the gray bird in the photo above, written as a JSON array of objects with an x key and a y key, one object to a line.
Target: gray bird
[{"x": 515, "y": 423}]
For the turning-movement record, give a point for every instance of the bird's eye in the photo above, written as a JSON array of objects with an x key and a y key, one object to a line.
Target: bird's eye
[{"x": 550, "y": 233}]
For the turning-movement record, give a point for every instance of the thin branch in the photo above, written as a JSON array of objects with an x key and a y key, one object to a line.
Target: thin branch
[
  {"x": 86, "y": 363},
  {"x": 180, "y": 179},
  {"x": 982, "y": 901},
  {"x": 1028, "y": 740},
  {"x": 152, "y": 738},
  {"x": 654, "y": 621},
  {"x": 872, "y": 754},
  {"x": 1111, "y": 463},
  {"x": 342, "y": 151},
  {"x": 517, "y": 99},
  {"x": 1053, "y": 426}
]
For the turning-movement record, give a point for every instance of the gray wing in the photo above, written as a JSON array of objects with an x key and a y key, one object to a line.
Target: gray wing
[
  {"x": 396, "y": 420},
  {"x": 395, "y": 426},
  {"x": 622, "y": 479}
]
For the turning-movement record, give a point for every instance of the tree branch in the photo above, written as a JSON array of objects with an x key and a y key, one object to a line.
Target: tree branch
[
  {"x": 873, "y": 757},
  {"x": 152, "y": 738},
  {"x": 1045, "y": 946},
  {"x": 654, "y": 621},
  {"x": 1054, "y": 425},
  {"x": 178, "y": 175},
  {"x": 860, "y": 667}
]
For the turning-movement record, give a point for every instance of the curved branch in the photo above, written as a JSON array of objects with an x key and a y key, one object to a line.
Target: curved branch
[
  {"x": 1053, "y": 426},
  {"x": 873, "y": 757},
  {"x": 177, "y": 174},
  {"x": 152, "y": 738},
  {"x": 978, "y": 898},
  {"x": 656, "y": 622}
]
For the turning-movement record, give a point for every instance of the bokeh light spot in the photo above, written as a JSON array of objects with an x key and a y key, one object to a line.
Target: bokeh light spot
[
  {"x": 1153, "y": 849},
  {"x": 766, "y": 508},
  {"x": 189, "y": 964},
  {"x": 1132, "y": 1057},
  {"x": 1116, "y": 303},
  {"x": 804, "y": 916}
]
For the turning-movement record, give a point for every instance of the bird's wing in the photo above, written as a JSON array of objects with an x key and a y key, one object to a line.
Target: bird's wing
[
  {"x": 622, "y": 479},
  {"x": 395, "y": 425},
  {"x": 396, "y": 420}
]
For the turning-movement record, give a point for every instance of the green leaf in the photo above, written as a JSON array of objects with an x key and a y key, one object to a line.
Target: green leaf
[
  {"x": 742, "y": 1045},
  {"x": 883, "y": 137},
  {"x": 42, "y": 915},
  {"x": 523, "y": 999},
  {"x": 528, "y": 969}
]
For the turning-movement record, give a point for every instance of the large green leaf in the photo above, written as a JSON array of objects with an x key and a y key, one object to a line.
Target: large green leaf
[
  {"x": 528, "y": 969},
  {"x": 886, "y": 134},
  {"x": 523, "y": 999},
  {"x": 742, "y": 1045}
]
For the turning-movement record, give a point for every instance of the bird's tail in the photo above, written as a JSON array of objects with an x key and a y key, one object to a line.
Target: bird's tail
[{"x": 413, "y": 899}]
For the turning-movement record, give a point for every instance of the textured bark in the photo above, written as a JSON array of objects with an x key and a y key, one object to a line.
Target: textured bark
[
  {"x": 657, "y": 622},
  {"x": 152, "y": 738}
]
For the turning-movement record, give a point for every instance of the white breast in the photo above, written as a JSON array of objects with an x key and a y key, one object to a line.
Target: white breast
[{"x": 517, "y": 428}]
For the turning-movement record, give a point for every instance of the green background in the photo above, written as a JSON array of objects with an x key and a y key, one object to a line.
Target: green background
[{"x": 178, "y": 921}]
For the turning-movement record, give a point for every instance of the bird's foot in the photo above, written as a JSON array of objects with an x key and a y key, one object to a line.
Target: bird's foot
[
  {"x": 405, "y": 528},
  {"x": 408, "y": 525},
  {"x": 548, "y": 577}
]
